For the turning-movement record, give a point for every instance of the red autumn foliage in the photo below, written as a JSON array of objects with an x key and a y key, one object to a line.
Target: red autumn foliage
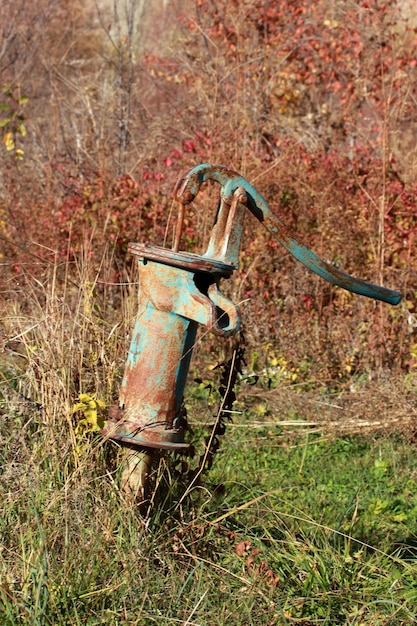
[{"x": 311, "y": 102}]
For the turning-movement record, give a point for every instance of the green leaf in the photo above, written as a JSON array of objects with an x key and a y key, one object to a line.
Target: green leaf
[
  {"x": 4, "y": 123},
  {"x": 78, "y": 407},
  {"x": 91, "y": 416},
  {"x": 4, "y": 107},
  {"x": 23, "y": 100},
  {"x": 84, "y": 397}
]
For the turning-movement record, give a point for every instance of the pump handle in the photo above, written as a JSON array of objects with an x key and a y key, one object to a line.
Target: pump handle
[{"x": 189, "y": 185}]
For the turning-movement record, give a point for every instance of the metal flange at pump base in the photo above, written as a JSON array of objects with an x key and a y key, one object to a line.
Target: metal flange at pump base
[{"x": 180, "y": 290}]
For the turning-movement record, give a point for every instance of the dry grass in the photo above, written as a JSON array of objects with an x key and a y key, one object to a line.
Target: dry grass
[
  {"x": 75, "y": 550},
  {"x": 382, "y": 406}
]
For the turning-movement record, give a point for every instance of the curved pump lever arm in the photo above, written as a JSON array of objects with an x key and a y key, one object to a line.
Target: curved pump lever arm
[{"x": 188, "y": 187}]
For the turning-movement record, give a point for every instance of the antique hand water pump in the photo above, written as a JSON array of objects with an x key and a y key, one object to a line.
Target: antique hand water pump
[{"x": 177, "y": 292}]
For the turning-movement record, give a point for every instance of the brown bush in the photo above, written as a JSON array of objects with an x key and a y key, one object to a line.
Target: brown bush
[{"x": 305, "y": 102}]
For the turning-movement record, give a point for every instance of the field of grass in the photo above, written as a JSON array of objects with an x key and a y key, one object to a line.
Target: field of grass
[
  {"x": 298, "y": 521},
  {"x": 308, "y": 515}
]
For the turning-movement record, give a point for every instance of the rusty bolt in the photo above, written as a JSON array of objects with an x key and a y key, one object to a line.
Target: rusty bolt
[
  {"x": 187, "y": 196},
  {"x": 242, "y": 197}
]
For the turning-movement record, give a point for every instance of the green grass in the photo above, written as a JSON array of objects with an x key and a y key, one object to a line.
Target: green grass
[
  {"x": 281, "y": 531},
  {"x": 292, "y": 525}
]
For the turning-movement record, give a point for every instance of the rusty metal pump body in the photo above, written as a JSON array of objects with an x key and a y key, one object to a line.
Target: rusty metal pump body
[{"x": 178, "y": 291}]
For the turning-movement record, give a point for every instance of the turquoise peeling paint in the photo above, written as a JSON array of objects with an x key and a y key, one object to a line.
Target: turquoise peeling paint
[
  {"x": 157, "y": 365},
  {"x": 256, "y": 203},
  {"x": 174, "y": 289},
  {"x": 179, "y": 291},
  {"x": 170, "y": 308}
]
